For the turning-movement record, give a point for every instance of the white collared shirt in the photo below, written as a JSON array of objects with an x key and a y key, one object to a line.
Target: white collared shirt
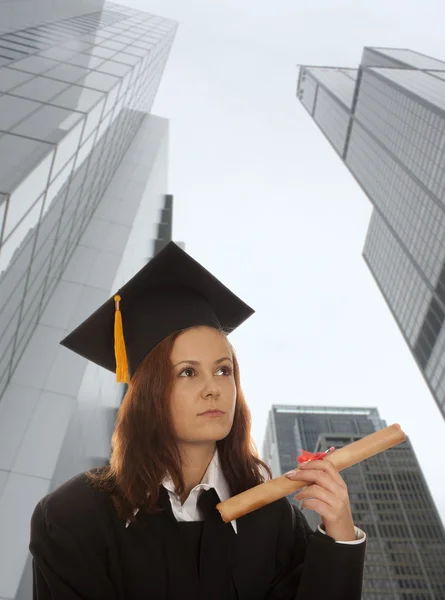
[
  {"x": 189, "y": 511},
  {"x": 213, "y": 478}
]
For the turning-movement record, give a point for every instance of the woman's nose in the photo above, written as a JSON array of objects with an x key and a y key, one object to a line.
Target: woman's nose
[{"x": 210, "y": 388}]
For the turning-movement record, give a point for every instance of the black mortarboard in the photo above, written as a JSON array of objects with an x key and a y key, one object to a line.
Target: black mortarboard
[{"x": 170, "y": 293}]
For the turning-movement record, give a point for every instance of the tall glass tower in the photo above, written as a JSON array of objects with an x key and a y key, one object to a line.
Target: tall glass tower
[
  {"x": 84, "y": 204},
  {"x": 389, "y": 497},
  {"x": 386, "y": 121}
]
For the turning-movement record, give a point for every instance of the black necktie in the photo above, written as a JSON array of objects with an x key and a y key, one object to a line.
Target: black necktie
[{"x": 207, "y": 501}]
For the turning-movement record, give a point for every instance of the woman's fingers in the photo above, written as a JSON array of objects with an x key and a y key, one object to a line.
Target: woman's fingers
[
  {"x": 325, "y": 466},
  {"x": 327, "y": 514},
  {"x": 325, "y": 492},
  {"x": 324, "y": 477},
  {"x": 319, "y": 493}
]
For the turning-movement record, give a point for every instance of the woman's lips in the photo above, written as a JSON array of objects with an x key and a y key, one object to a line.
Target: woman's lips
[{"x": 212, "y": 413}]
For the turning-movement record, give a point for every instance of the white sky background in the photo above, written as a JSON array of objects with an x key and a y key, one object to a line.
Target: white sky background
[{"x": 263, "y": 201}]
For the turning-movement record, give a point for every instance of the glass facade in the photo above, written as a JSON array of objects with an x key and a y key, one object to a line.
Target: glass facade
[
  {"x": 291, "y": 428},
  {"x": 389, "y": 131},
  {"x": 390, "y": 500},
  {"x": 84, "y": 204},
  {"x": 73, "y": 94},
  {"x": 389, "y": 497}
]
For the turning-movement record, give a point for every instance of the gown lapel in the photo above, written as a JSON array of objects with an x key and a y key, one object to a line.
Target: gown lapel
[
  {"x": 215, "y": 576},
  {"x": 182, "y": 572}
]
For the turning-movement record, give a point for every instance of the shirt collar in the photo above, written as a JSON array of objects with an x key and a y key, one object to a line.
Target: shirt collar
[{"x": 213, "y": 478}]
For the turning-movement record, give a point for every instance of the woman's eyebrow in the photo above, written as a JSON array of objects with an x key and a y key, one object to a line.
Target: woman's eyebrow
[{"x": 196, "y": 362}]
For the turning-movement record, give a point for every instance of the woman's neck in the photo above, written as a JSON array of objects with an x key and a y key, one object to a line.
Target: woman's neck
[{"x": 195, "y": 461}]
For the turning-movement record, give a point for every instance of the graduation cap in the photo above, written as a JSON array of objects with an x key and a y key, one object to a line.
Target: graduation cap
[{"x": 172, "y": 292}]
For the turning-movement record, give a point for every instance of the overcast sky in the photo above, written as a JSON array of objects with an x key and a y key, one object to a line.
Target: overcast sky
[{"x": 263, "y": 201}]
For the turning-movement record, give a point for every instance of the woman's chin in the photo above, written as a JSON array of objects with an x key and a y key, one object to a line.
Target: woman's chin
[{"x": 213, "y": 434}]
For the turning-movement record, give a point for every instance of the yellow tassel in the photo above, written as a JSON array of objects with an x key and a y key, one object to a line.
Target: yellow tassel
[{"x": 119, "y": 346}]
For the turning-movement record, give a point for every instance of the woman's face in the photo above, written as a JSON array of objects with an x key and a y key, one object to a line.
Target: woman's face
[{"x": 203, "y": 382}]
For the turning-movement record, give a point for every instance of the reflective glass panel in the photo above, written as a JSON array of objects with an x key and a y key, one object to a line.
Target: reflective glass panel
[
  {"x": 414, "y": 59},
  {"x": 24, "y": 40},
  {"x": 7, "y": 335},
  {"x": 3, "y": 200},
  {"x": 56, "y": 185},
  {"x": 338, "y": 83},
  {"x": 113, "y": 45},
  {"x": 76, "y": 45},
  {"x": 49, "y": 123},
  {"x": 125, "y": 39},
  {"x": 111, "y": 99},
  {"x": 105, "y": 123},
  {"x": 66, "y": 72},
  {"x": 93, "y": 119},
  {"x": 67, "y": 147},
  {"x": 114, "y": 29},
  {"x": 418, "y": 82},
  {"x": 19, "y": 156},
  {"x": 58, "y": 53},
  {"x": 45, "y": 40},
  {"x": 136, "y": 51},
  {"x": 13, "y": 110},
  {"x": 39, "y": 88},
  {"x": 12, "y": 281},
  {"x": 85, "y": 60},
  {"x": 99, "y": 81},
  {"x": 440, "y": 74},
  {"x": 6, "y": 53},
  {"x": 24, "y": 333},
  {"x": 16, "y": 45},
  {"x": 84, "y": 151},
  {"x": 24, "y": 196},
  {"x": 78, "y": 98},
  {"x": 36, "y": 282},
  {"x": 35, "y": 64},
  {"x": 101, "y": 52},
  {"x": 127, "y": 59},
  {"x": 10, "y": 246},
  {"x": 146, "y": 45},
  {"x": 50, "y": 31},
  {"x": 92, "y": 38},
  {"x": 125, "y": 83},
  {"x": 113, "y": 68}
]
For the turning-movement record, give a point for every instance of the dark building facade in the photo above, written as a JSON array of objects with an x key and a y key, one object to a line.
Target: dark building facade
[
  {"x": 290, "y": 428},
  {"x": 389, "y": 497},
  {"x": 386, "y": 121}
]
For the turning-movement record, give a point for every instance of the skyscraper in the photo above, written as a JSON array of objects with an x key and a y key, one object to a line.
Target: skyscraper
[
  {"x": 290, "y": 428},
  {"x": 386, "y": 121},
  {"x": 389, "y": 497},
  {"x": 83, "y": 205}
]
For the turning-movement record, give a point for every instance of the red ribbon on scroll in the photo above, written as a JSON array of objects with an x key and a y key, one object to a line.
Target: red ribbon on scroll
[{"x": 307, "y": 456}]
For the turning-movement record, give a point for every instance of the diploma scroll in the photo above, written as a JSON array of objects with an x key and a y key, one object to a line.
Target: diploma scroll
[{"x": 277, "y": 488}]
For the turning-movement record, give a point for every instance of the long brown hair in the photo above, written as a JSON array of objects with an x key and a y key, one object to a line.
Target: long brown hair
[{"x": 144, "y": 448}]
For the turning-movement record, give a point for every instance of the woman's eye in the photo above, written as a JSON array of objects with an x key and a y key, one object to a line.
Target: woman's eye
[
  {"x": 188, "y": 372},
  {"x": 226, "y": 370}
]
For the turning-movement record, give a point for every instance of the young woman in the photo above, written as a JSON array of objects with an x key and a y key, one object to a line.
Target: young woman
[{"x": 146, "y": 527}]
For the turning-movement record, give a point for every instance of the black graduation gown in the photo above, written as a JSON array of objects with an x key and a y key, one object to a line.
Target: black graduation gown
[{"x": 82, "y": 551}]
